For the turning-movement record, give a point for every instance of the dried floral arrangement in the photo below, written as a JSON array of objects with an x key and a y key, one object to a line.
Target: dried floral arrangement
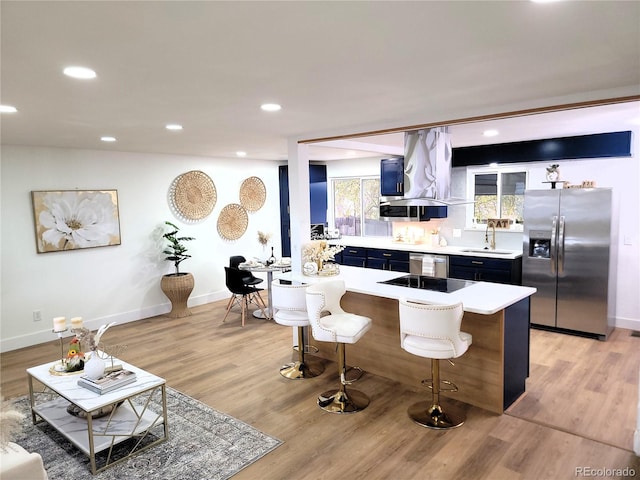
[
  {"x": 10, "y": 424},
  {"x": 263, "y": 238},
  {"x": 90, "y": 339},
  {"x": 320, "y": 251},
  {"x": 84, "y": 336}
]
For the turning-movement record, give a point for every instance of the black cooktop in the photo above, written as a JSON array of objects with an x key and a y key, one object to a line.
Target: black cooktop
[{"x": 429, "y": 283}]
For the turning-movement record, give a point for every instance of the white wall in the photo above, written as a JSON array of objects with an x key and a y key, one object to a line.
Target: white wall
[
  {"x": 621, "y": 174},
  {"x": 117, "y": 283},
  {"x": 121, "y": 283}
]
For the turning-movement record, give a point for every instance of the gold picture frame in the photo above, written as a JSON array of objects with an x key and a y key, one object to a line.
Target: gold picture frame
[{"x": 75, "y": 219}]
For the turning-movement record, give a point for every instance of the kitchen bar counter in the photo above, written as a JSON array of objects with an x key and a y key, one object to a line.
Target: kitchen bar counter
[
  {"x": 481, "y": 297},
  {"x": 490, "y": 375}
]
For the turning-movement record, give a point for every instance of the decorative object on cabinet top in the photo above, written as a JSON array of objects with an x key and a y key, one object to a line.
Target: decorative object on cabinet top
[
  {"x": 553, "y": 174},
  {"x": 192, "y": 196},
  {"x": 315, "y": 254},
  {"x": 252, "y": 194},
  {"x": 232, "y": 221}
]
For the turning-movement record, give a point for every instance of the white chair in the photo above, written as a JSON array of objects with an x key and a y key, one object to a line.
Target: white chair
[
  {"x": 340, "y": 327},
  {"x": 290, "y": 305},
  {"x": 433, "y": 331}
]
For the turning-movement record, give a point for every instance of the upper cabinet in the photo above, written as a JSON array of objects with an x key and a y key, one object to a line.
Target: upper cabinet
[{"x": 392, "y": 177}]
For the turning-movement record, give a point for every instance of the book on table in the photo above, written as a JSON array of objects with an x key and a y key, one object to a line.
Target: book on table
[{"x": 108, "y": 382}]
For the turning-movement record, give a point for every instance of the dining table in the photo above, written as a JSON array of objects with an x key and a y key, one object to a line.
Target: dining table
[{"x": 268, "y": 269}]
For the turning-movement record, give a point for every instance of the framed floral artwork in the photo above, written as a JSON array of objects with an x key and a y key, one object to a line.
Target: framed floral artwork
[{"x": 74, "y": 219}]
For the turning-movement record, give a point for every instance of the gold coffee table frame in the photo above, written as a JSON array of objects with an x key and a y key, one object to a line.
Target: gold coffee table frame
[{"x": 132, "y": 417}]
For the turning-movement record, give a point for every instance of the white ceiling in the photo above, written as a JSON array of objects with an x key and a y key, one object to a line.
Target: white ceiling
[{"x": 337, "y": 68}]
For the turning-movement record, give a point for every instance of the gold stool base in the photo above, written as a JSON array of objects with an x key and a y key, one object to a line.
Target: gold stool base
[
  {"x": 339, "y": 401},
  {"x": 298, "y": 370},
  {"x": 432, "y": 416}
]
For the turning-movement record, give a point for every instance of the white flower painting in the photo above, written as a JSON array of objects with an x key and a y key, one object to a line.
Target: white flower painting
[{"x": 73, "y": 219}]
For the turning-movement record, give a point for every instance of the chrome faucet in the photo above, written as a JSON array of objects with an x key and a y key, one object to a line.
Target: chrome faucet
[{"x": 490, "y": 225}]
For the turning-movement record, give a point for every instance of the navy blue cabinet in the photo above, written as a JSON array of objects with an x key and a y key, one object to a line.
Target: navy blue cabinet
[
  {"x": 317, "y": 198},
  {"x": 485, "y": 269},
  {"x": 354, "y": 256},
  {"x": 392, "y": 177},
  {"x": 383, "y": 259}
]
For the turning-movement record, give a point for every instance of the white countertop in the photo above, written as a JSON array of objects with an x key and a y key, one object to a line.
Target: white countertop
[
  {"x": 481, "y": 297},
  {"x": 383, "y": 242}
]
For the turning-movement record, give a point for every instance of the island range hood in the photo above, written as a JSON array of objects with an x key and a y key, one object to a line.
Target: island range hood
[{"x": 427, "y": 170}]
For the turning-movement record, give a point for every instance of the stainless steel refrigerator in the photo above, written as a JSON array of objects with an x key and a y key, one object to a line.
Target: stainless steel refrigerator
[{"x": 568, "y": 255}]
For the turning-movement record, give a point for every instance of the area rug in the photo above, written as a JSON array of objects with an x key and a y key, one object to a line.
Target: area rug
[{"x": 203, "y": 444}]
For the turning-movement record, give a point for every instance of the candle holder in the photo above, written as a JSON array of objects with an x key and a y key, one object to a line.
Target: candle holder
[{"x": 62, "y": 367}]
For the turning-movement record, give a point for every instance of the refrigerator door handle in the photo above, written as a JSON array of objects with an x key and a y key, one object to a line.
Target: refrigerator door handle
[
  {"x": 561, "y": 246},
  {"x": 554, "y": 244}
]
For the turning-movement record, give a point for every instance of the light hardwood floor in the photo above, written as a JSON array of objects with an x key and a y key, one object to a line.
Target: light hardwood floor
[{"x": 579, "y": 409}]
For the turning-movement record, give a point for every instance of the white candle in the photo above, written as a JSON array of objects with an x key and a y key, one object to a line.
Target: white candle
[
  {"x": 59, "y": 324},
  {"x": 76, "y": 322}
]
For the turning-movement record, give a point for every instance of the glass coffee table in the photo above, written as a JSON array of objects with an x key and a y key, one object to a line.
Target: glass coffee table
[{"x": 96, "y": 423}]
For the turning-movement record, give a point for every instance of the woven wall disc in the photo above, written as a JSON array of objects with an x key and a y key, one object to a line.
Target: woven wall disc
[
  {"x": 192, "y": 196},
  {"x": 252, "y": 194},
  {"x": 232, "y": 221}
]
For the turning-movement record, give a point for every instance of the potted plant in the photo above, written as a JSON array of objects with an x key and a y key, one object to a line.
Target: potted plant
[
  {"x": 553, "y": 174},
  {"x": 179, "y": 285}
]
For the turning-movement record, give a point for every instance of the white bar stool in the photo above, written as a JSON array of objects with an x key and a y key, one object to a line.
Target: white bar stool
[
  {"x": 340, "y": 327},
  {"x": 290, "y": 306},
  {"x": 433, "y": 331}
]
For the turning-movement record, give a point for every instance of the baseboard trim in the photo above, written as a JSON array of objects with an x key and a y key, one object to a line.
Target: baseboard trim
[
  {"x": 628, "y": 323},
  {"x": 44, "y": 336}
]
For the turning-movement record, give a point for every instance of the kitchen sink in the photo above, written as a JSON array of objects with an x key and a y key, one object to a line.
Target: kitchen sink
[{"x": 487, "y": 251}]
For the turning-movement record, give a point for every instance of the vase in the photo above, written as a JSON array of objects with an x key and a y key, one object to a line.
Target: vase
[
  {"x": 94, "y": 367},
  {"x": 553, "y": 176},
  {"x": 272, "y": 259},
  {"x": 177, "y": 288}
]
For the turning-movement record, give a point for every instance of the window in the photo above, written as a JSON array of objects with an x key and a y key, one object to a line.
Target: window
[
  {"x": 356, "y": 203},
  {"x": 497, "y": 194}
]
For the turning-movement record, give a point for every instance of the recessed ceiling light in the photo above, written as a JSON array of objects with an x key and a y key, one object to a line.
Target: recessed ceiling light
[
  {"x": 490, "y": 133},
  {"x": 270, "y": 107},
  {"x": 240, "y": 153},
  {"x": 79, "y": 72},
  {"x": 173, "y": 126},
  {"x": 8, "y": 109},
  {"x": 108, "y": 139},
  {"x": 493, "y": 164}
]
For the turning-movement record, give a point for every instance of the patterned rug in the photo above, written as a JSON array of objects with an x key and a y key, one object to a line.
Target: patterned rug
[{"x": 203, "y": 444}]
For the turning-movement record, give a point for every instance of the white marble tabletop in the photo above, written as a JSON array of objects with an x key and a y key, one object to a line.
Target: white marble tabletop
[
  {"x": 480, "y": 297},
  {"x": 67, "y": 385}
]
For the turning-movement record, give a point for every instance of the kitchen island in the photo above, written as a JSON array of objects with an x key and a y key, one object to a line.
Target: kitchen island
[{"x": 490, "y": 375}]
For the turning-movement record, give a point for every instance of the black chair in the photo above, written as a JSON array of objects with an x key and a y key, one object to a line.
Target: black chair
[
  {"x": 248, "y": 277},
  {"x": 241, "y": 293}
]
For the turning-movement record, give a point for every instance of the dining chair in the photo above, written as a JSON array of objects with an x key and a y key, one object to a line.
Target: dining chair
[
  {"x": 247, "y": 277},
  {"x": 242, "y": 294}
]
